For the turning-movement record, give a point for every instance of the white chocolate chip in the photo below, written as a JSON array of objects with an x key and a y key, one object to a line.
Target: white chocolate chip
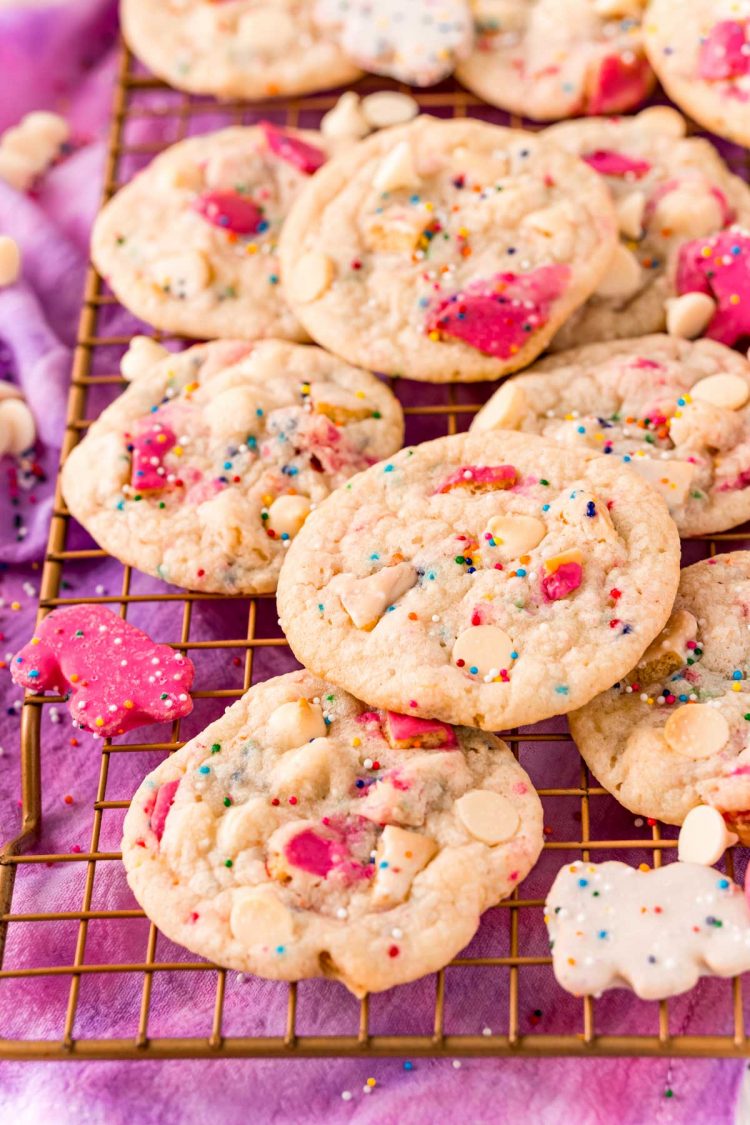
[
  {"x": 516, "y": 535},
  {"x": 689, "y": 315},
  {"x": 623, "y": 276},
  {"x": 346, "y": 120},
  {"x": 367, "y": 599},
  {"x": 10, "y": 260},
  {"x": 555, "y": 226},
  {"x": 17, "y": 426},
  {"x": 287, "y": 514},
  {"x": 663, "y": 120},
  {"x": 312, "y": 276},
  {"x": 295, "y": 723},
  {"x": 696, "y": 731},
  {"x": 689, "y": 210},
  {"x": 247, "y": 825},
  {"x": 484, "y": 647},
  {"x": 671, "y": 479},
  {"x": 487, "y": 816},
  {"x": 396, "y": 169},
  {"x": 727, "y": 391},
  {"x": 404, "y": 855},
  {"x": 267, "y": 28},
  {"x": 258, "y": 918},
  {"x": 233, "y": 414},
  {"x": 142, "y": 355},
  {"x": 388, "y": 107},
  {"x": 704, "y": 836},
  {"x": 182, "y": 275},
  {"x": 630, "y": 211},
  {"x": 504, "y": 410},
  {"x": 305, "y": 772}
]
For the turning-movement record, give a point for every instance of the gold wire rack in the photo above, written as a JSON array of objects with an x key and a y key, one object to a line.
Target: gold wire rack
[{"x": 509, "y": 976}]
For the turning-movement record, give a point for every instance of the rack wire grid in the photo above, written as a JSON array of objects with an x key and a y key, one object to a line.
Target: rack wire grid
[{"x": 508, "y": 966}]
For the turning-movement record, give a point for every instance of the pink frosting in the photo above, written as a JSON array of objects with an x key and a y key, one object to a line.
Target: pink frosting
[
  {"x": 498, "y": 316},
  {"x": 311, "y": 853},
  {"x": 230, "y": 210},
  {"x": 562, "y": 581},
  {"x": 306, "y": 158},
  {"x": 164, "y": 800},
  {"x": 148, "y": 450},
  {"x": 423, "y": 733},
  {"x": 722, "y": 53},
  {"x": 619, "y": 84},
  {"x": 608, "y": 163},
  {"x": 718, "y": 266},
  {"x": 118, "y": 678},
  {"x": 471, "y": 476}
]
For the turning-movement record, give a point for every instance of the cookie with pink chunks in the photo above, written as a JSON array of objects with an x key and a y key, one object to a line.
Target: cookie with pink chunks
[
  {"x": 491, "y": 579},
  {"x": 446, "y": 251},
  {"x": 675, "y": 411},
  {"x": 205, "y": 469},
  {"x": 700, "y": 50},
  {"x": 189, "y": 245},
  {"x": 248, "y": 49},
  {"x": 548, "y": 59},
  {"x": 669, "y": 191},
  {"x": 720, "y": 267},
  {"x": 307, "y": 835},
  {"x": 656, "y": 931},
  {"x": 673, "y": 734},
  {"x": 115, "y": 677}
]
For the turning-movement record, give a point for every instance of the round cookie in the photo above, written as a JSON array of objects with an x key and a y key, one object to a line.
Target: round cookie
[
  {"x": 700, "y": 50},
  {"x": 189, "y": 245},
  {"x": 674, "y": 733},
  {"x": 305, "y": 835},
  {"x": 418, "y": 42},
  {"x": 490, "y": 579},
  {"x": 205, "y": 469},
  {"x": 548, "y": 59},
  {"x": 668, "y": 189},
  {"x": 677, "y": 411},
  {"x": 238, "y": 48},
  {"x": 445, "y": 250}
]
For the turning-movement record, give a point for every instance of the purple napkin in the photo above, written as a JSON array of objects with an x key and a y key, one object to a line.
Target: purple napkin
[{"x": 60, "y": 56}]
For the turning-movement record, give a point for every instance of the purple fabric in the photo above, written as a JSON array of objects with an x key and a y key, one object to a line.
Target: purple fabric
[{"x": 60, "y": 56}]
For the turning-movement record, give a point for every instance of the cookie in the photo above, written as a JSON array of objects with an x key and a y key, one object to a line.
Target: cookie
[
  {"x": 238, "y": 49},
  {"x": 203, "y": 471},
  {"x": 418, "y": 42},
  {"x": 189, "y": 245},
  {"x": 306, "y": 835},
  {"x": 674, "y": 734},
  {"x": 548, "y": 59},
  {"x": 445, "y": 250},
  {"x": 669, "y": 190},
  {"x": 676, "y": 411},
  {"x": 488, "y": 579},
  {"x": 114, "y": 676},
  {"x": 656, "y": 931},
  {"x": 700, "y": 50}
]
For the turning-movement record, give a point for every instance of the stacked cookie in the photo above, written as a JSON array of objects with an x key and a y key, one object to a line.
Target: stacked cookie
[{"x": 354, "y": 819}]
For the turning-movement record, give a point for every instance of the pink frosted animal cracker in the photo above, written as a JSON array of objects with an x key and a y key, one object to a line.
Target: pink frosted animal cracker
[{"x": 117, "y": 678}]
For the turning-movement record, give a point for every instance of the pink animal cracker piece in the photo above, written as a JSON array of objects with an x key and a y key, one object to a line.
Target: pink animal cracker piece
[
  {"x": 312, "y": 853},
  {"x": 231, "y": 211},
  {"x": 656, "y": 931},
  {"x": 163, "y": 802},
  {"x": 619, "y": 84},
  {"x": 480, "y": 477},
  {"x": 497, "y": 316},
  {"x": 117, "y": 677},
  {"x": 148, "y": 450},
  {"x": 562, "y": 582},
  {"x": 303, "y": 156},
  {"x": 718, "y": 266},
  {"x": 609, "y": 163},
  {"x": 406, "y": 732},
  {"x": 723, "y": 52}
]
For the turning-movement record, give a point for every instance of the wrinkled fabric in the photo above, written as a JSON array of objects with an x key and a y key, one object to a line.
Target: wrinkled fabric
[{"x": 60, "y": 56}]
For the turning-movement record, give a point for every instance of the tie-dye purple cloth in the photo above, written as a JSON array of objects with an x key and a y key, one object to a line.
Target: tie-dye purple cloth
[{"x": 61, "y": 56}]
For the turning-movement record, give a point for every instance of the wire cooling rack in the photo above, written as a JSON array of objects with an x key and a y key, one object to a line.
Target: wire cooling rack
[{"x": 504, "y": 972}]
